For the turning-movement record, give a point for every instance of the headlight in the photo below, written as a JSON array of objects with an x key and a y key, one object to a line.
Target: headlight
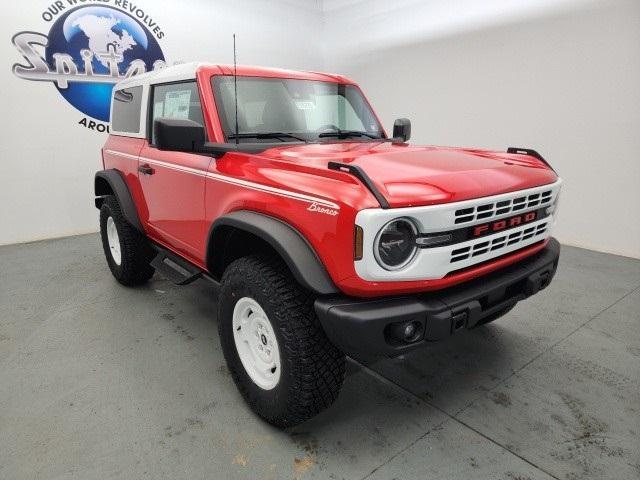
[{"x": 395, "y": 244}]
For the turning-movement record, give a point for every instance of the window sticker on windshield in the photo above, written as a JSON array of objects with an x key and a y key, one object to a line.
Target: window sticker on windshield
[
  {"x": 305, "y": 104},
  {"x": 176, "y": 104},
  {"x": 158, "y": 109}
]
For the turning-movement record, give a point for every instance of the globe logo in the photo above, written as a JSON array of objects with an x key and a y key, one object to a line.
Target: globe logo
[{"x": 87, "y": 51}]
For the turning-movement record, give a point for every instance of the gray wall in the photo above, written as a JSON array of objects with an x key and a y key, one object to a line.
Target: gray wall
[
  {"x": 564, "y": 82},
  {"x": 47, "y": 160}
]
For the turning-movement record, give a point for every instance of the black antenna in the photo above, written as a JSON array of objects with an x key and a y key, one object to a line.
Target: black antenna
[{"x": 235, "y": 85}]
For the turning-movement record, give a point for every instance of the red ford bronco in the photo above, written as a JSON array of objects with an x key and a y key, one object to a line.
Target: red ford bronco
[{"x": 327, "y": 237}]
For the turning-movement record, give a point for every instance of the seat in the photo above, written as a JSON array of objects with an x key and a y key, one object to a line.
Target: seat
[{"x": 281, "y": 115}]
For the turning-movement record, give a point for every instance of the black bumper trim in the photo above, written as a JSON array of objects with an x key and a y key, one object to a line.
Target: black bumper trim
[{"x": 358, "y": 326}]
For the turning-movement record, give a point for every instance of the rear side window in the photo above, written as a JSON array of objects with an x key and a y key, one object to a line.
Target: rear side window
[
  {"x": 176, "y": 100},
  {"x": 126, "y": 110}
]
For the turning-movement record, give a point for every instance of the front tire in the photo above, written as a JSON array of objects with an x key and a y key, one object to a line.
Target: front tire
[
  {"x": 127, "y": 251},
  {"x": 278, "y": 355}
]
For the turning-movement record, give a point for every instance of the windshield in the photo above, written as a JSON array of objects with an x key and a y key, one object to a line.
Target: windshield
[{"x": 281, "y": 109}]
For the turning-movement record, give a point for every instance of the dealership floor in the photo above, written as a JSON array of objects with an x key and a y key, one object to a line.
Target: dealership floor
[{"x": 100, "y": 381}]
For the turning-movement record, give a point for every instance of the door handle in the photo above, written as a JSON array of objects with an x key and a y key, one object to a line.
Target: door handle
[{"x": 145, "y": 169}]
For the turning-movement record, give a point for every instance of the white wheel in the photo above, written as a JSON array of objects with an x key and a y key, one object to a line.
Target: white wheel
[
  {"x": 114, "y": 241},
  {"x": 256, "y": 343},
  {"x": 127, "y": 250},
  {"x": 278, "y": 355}
]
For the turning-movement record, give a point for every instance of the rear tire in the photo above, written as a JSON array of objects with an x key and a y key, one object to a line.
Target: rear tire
[
  {"x": 305, "y": 372},
  {"x": 127, "y": 251}
]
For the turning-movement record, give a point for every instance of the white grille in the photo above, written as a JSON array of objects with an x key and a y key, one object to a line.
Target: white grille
[
  {"x": 487, "y": 211},
  {"x": 497, "y": 243}
]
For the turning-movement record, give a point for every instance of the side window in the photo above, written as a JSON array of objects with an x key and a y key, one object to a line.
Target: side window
[
  {"x": 176, "y": 100},
  {"x": 126, "y": 110}
]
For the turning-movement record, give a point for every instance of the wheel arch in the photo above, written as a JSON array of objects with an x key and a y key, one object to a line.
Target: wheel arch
[
  {"x": 245, "y": 232},
  {"x": 111, "y": 182}
]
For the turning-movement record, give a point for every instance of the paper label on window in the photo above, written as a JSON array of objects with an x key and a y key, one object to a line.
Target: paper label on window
[
  {"x": 305, "y": 105},
  {"x": 176, "y": 104},
  {"x": 158, "y": 109}
]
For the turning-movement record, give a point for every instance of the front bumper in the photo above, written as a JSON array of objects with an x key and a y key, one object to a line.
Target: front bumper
[{"x": 364, "y": 326}]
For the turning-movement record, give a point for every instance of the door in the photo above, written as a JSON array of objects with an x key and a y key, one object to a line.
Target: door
[{"x": 173, "y": 183}]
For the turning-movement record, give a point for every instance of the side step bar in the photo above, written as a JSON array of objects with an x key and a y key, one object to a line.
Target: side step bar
[{"x": 174, "y": 268}]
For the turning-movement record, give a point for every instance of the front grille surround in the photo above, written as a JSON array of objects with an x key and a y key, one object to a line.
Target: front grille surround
[{"x": 438, "y": 262}]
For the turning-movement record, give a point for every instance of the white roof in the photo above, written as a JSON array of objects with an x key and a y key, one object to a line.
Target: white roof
[
  {"x": 187, "y": 71},
  {"x": 181, "y": 71}
]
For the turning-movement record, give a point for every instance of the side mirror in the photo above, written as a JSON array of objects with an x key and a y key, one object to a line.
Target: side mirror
[
  {"x": 402, "y": 129},
  {"x": 178, "y": 134}
]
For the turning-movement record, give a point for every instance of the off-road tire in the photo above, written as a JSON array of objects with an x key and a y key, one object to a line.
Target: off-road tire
[
  {"x": 312, "y": 368},
  {"x": 136, "y": 253}
]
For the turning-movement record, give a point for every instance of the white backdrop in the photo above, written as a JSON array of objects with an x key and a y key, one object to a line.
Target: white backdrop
[
  {"x": 47, "y": 160},
  {"x": 561, "y": 76}
]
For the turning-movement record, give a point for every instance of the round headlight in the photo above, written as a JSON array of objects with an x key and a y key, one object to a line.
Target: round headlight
[{"x": 395, "y": 245}]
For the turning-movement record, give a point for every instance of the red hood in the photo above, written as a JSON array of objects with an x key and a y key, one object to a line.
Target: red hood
[{"x": 410, "y": 176}]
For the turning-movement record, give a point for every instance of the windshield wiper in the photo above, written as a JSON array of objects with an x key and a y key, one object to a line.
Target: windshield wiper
[
  {"x": 348, "y": 133},
  {"x": 279, "y": 135}
]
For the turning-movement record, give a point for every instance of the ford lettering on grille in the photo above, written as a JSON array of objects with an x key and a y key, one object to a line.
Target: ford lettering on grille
[{"x": 506, "y": 223}]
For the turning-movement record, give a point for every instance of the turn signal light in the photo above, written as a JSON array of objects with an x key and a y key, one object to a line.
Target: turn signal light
[{"x": 357, "y": 243}]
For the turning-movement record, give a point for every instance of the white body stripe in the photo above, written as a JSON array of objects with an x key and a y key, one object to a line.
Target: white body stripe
[
  {"x": 173, "y": 166},
  {"x": 121, "y": 154},
  {"x": 231, "y": 180},
  {"x": 273, "y": 190}
]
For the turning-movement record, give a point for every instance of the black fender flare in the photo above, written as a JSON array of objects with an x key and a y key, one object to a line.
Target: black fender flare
[
  {"x": 288, "y": 242},
  {"x": 119, "y": 188}
]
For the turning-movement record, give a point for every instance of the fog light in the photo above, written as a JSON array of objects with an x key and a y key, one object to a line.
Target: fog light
[{"x": 407, "y": 332}]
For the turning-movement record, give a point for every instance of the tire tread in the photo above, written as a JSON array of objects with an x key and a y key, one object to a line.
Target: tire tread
[
  {"x": 316, "y": 367},
  {"x": 135, "y": 268}
]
